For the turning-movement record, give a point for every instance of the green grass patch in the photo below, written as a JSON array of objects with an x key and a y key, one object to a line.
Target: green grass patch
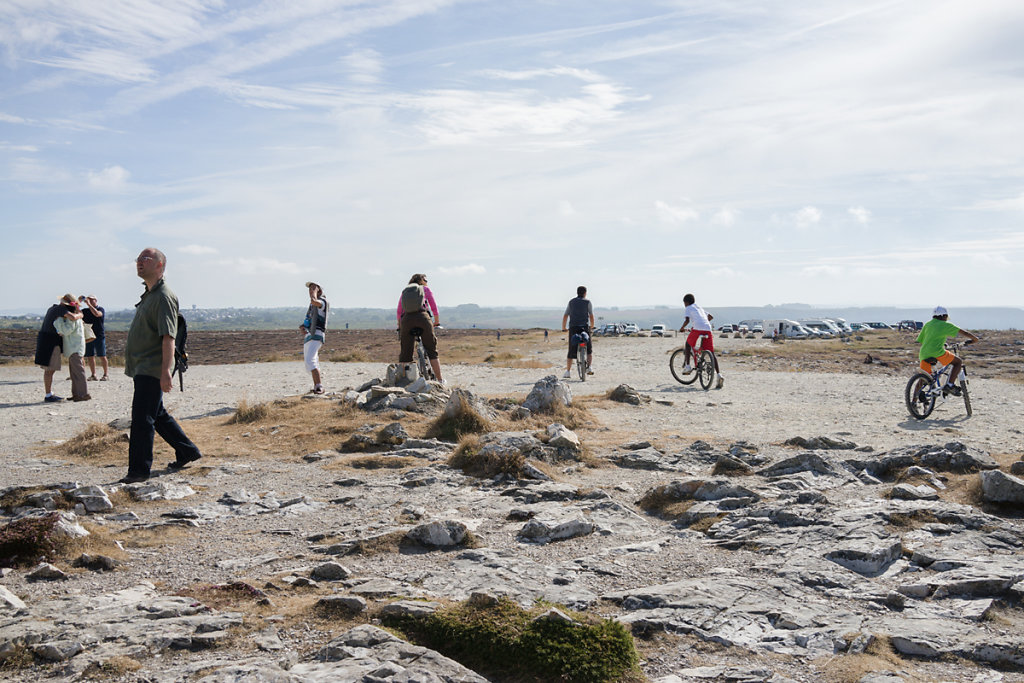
[{"x": 506, "y": 642}]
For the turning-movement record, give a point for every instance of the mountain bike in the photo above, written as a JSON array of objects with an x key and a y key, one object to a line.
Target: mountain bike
[
  {"x": 581, "y": 353},
  {"x": 703, "y": 366},
  {"x": 925, "y": 389}
]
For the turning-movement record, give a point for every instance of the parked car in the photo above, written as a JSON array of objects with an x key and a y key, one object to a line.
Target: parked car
[
  {"x": 727, "y": 329},
  {"x": 658, "y": 330},
  {"x": 879, "y": 326},
  {"x": 630, "y": 329},
  {"x": 757, "y": 329},
  {"x": 609, "y": 330},
  {"x": 860, "y": 327}
]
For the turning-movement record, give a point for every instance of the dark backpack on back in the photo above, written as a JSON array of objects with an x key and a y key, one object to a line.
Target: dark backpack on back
[
  {"x": 413, "y": 299},
  {"x": 180, "y": 355}
]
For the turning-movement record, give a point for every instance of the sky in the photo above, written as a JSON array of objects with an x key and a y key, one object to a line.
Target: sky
[{"x": 838, "y": 152}]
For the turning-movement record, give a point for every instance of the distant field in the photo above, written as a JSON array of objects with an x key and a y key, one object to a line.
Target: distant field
[{"x": 1000, "y": 354}]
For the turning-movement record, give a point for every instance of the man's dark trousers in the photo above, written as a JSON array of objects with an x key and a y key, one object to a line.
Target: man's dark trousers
[{"x": 148, "y": 415}]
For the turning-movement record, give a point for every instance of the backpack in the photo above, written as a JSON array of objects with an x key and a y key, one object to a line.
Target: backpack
[
  {"x": 180, "y": 355},
  {"x": 413, "y": 299}
]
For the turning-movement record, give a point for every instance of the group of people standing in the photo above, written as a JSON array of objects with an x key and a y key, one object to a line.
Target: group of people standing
[{"x": 73, "y": 328}]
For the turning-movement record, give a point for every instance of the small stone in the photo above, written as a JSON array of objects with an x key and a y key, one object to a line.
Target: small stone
[
  {"x": 331, "y": 571},
  {"x": 45, "y": 571},
  {"x": 346, "y": 604},
  {"x": 96, "y": 563}
]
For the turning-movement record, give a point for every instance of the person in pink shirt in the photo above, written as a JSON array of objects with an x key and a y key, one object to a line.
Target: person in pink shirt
[{"x": 418, "y": 310}]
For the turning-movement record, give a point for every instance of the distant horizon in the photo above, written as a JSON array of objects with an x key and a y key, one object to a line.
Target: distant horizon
[{"x": 11, "y": 313}]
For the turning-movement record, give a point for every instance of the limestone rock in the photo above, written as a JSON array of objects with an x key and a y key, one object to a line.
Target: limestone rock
[
  {"x": 45, "y": 571},
  {"x": 627, "y": 394},
  {"x": 999, "y": 487},
  {"x": 547, "y": 394},
  {"x": 330, "y": 571},
  {"x": 9, "y": 600},
  {"x": 562, "y": 437},
  {"x": 549, "y": 529},
  {"x": 393, "y": 434},
  {"x": 439, "y": 534}
]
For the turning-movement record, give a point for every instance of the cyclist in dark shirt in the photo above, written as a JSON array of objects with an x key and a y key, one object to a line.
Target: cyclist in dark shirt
[{"x": 579, "y": 314}]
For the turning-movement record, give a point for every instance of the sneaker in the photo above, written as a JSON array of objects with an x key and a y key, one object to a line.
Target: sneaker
[
  {"x": 720, "y": 383},
  {"x": 53, "y": 398},
  {"x": 567, "y": 375},
  {"x": 87, "y": 397},
  {"x": 132, "y": 479},
  {"x": 444, "y": 384},
  {"x": 318, "y": 390},
  {"x": 590, "y": 370},
  {"x": 953, "y": 389},
  {"x": 687, "y": 369}
]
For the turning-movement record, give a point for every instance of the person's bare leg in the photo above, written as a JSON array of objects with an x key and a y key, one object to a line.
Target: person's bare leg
[
  {"x": 435, "y": 365},
  {"x": 48, "y": 381},
  {"x": 92, "y": 367},
  {"x": 316, "y": 378},
  {"x": 103, "y": 361},
  {"x": 954, "y": 371}
]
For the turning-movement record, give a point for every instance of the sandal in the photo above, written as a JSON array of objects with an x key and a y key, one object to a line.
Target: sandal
[{"x": 103, "y": 378}]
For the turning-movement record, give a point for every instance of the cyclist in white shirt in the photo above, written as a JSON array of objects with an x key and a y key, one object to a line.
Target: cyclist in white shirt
[{"x": 701, "y": 330}]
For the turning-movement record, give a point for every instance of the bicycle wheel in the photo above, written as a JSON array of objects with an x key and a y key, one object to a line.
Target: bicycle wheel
[
  {"x": 706, "y": 369},
  {"x": 426, "y": 372},
  {"x": 581, "y": 361},
  {"x": 919, "y": 402},
  {"x": 675, "y": 364},
  {"x": 967, "y": 396}
]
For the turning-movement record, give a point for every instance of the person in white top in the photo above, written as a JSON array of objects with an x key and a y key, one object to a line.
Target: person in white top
[{"x": 700, "y": 330}]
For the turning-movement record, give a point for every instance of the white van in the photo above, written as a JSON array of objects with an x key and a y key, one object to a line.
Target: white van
[
  {"x": 658, "y": 330},
  {"x": 788, "y": 329}
]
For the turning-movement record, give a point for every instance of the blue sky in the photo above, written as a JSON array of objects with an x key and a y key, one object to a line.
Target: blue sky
[{"x": 834, "y": 152}]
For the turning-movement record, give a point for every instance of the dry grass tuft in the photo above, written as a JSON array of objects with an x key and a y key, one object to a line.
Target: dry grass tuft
[
  {"x": 704, "y": 524},
  {"x": 661, "y": 503},
  {"x": 247, "y": 413},
  {"x": 878, "y": 656},
  {"x": 163, "y": 536},
  {"x": 352, "y": 356},
  {"x": 469, "y": 458},
  {"x": 378, "y": 545},
  {"x": 97, "y": 440},
  {"x": 114, "y": 668},
  {"x": 454, "y": 427}
]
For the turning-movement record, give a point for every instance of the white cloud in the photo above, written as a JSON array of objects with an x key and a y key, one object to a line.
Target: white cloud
[
  {"x": 364, "y": 66},
  {"x": 724, "y": 218},
  {"x": 112, "y": 64},
  {"x": 565, "y": 208},
  {"x": 822, "y": 271},
  {"x": 723, "y": 272},
  {"x": 468, "y": 269},
  {"x": 807, "y": 216},
  {"x": 110, "y": 179},
  {"x": 10, "y": 118},
  {"x": 860, "y": 214},
  {"x": 261, "y": 266},
  {"x": 18, "y": 148},
  {"x": 1007, "y": 204},
  {"x": 675, "y": 214},
  {"x": 197, "y": 249}
]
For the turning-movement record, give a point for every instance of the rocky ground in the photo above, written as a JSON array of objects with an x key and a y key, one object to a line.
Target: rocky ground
[{"x": 730, "y": 553}]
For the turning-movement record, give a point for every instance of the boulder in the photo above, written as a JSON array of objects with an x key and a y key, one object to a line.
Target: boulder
[
  {"x": 547, "y": 395},
  {"x": 562, "y": 437},
  {"x": 999, "y": 487},
  {"x": 439, "y": 534},
  {"x": 627, "y": 394}
]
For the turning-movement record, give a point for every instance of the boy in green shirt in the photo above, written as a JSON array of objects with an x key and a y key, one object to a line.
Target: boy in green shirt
[{"x": 932, "y": 339}]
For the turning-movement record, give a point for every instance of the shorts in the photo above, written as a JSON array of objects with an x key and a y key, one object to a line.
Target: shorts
[
  {"x": 944, "y": 359},
  {"x": 409, "y": 322},
  {"x": 573, "y": 331},
  {"x": 55, "y": 356},
  {"x": 97, "y": 347},
  {"x": 311, "y": 354},
  {"x": 709, "y": 340}
]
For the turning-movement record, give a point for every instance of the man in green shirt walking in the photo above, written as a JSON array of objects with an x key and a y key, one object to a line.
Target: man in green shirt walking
[
  {"x": 148, "y": 359},
  {"x": 932, "y": 339}
]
